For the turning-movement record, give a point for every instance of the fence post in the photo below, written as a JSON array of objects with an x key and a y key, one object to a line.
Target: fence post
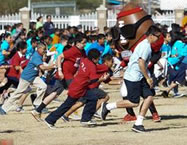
[
  {"x": 25, "y": 17},
  {"x": 101, "y": 18},
  {"x": 178, "y": 16}
]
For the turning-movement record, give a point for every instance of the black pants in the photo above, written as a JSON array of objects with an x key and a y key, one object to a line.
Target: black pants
[
  {"x": 88, "y": 111},
  {"x": 64, "y": 107}
]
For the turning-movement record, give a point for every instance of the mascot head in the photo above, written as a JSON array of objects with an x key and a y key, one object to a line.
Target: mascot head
[{"x": 132, "y": 23}]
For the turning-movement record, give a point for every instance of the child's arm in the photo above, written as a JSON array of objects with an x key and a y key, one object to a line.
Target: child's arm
[
  {"x": 44, "y": 67},
  {"x": 6, "y": 53},
  {"x": 19, "y": 68},
  {"x": 59, "y": 61}
]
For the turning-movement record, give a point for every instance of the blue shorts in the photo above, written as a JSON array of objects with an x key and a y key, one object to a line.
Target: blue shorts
[{"x": 137, "y": 89}]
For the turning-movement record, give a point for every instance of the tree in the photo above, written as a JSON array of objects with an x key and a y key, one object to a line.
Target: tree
[{"x": 13, "y": 6}]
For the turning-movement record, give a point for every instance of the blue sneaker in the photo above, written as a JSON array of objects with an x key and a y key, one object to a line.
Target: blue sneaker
[{"x": 2, "y": 112}]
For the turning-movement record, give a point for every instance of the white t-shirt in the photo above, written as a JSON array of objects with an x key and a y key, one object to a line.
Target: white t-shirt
[{"x": 142, "y": 50}]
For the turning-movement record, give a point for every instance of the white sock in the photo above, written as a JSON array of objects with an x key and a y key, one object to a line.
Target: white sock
[
  {"x": 111, "y": 106},
  {"x": 139, "y": 120}
]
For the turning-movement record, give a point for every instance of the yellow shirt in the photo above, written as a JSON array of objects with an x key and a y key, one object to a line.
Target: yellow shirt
[
  {"x": 184, "y": 21},
  {"x": 56, "y": 39}
]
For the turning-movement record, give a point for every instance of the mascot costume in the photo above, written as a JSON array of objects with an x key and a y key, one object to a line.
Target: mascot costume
[{"x": 132, "y": 24}]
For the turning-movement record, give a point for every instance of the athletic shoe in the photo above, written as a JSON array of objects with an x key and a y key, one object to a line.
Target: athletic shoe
[
  {"x": 51, "y": 126},
  {"x": 156, "y": 117},
  {"x": 20, "y": 109},
  {"x": 177, "y": 95},
  {"x": 36, "y": 115},
  {"x": 45, "y": 110},
  {"x": 129, "y": 117},
  {"x": 97, "y": 115},
  {"x": 90, "y": 123},
  {"x": 104, "y": 111},
  {"x": 138, "y": 128},
  {"x": 2, "y": 112},
  {"x": 65, "y": 119},
  {"x": 165, "y": 94}
]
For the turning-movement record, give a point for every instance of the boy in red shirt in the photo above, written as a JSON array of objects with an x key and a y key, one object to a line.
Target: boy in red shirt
[
  {"x": 87, "y": 74},
  {"x": 67, "y": 67},
  {"x": 18, "y": 63},
  {"x": 107, "y": 60},
  {"x": 67, "y": 64}
]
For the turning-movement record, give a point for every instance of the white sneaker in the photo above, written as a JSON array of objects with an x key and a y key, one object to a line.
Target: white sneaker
[
  {"x": 97, "y": 115},
  {"x": 177, "y": 95},
  {"x": 90, "y": 123},
  {"x": 20, "y": 109},
  {"x": 49, "y": 125},
  {"x": 36, "y": 115}
]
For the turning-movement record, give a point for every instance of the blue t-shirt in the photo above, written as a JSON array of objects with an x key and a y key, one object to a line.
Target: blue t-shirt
[
  {"x": 166, "y": 49},
  {"x": 107, "y": 49},
  {"x": 31, "y": 71},
  {"x": 185, "y": 50},
  {"x": 185, "y": 60},
  {"x": 88, "y": 44},
  {"x": 59, "y": 48},
  {"x": 179, "y": 49},
  {"x": 30, "y": 52},
  {"x": 4, "y": 46},
  {"x": 96, "y": 46}
]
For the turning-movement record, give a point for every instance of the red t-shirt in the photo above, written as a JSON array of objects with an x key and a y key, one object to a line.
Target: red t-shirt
[
  {"x": 86, "y": 73},
  {"x": 17, "y": 61},
  {"x": 155, "y": 46},
  {"x": 101, "y": 69},
  {"x": 71, "y": 62}
]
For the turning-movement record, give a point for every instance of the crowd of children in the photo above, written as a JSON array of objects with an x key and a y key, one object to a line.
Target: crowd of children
[{"x": 49, "y": 60}]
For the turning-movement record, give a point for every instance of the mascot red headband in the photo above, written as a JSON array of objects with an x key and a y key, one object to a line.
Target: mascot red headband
[{"x": 132, "y": 11}]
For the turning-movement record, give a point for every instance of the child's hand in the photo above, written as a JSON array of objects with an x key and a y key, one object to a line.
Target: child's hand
[
  {"x": 60, "y": 74},
  {"x": 54, "y": 65},
  {"x": 150, "y": 82},
  {"x": 104, "y": 77}
]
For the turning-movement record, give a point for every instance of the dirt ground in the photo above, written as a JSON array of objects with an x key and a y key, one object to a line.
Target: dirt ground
[{"x": 23, "y": 129}]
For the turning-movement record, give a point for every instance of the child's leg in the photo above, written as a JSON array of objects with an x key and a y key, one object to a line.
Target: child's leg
[
  {"x": 41, "y": 88},
  {"x": 22, "y": 87},
  {"x": 147, "y": 102},
  {"x": 3, "y": 79},
  {"x": 55, "y": 115},
  {"x": 22, "y": 100},
  {"x": 73, "y": 108},
  {"x": 46, "y": 101},
  {"x": 173, "y": 85},
  {"x": 100, "y": 101}
]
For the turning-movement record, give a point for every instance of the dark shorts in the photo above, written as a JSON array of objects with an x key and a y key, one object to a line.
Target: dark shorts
[
  {"x": 96, "y": 92},
  {"x": 137, "y": 89},
  {"x": 59, "y": 87}
]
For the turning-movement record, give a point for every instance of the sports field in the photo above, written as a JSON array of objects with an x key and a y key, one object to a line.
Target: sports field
[{"x": 23, "y": 129}]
